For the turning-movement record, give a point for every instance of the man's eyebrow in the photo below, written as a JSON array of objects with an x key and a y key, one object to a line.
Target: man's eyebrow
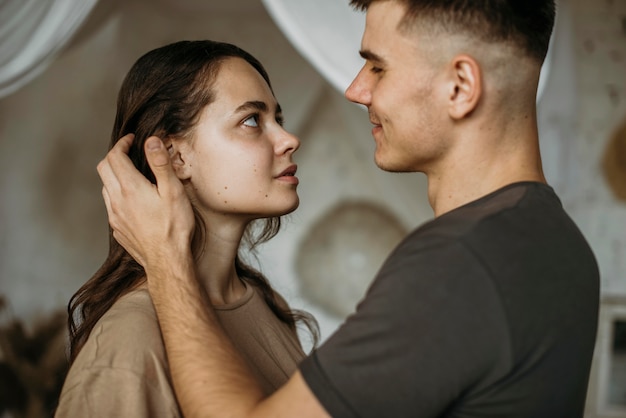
[
  {"x": 370, "y": 56},
  {"x": 258, "y": 106}
]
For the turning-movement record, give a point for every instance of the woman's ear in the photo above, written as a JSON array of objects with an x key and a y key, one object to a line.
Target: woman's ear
[
  {"x": 465, "y": 86},
  {"x": 176, "y": 149}
]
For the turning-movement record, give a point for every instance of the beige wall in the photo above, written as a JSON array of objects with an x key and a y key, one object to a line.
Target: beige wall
[{"x": 599, "y": 42}]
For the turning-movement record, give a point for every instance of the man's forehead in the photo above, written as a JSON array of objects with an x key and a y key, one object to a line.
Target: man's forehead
[
  {"x": 383, "y": 20},
  {"x": 383, "y": 31}
]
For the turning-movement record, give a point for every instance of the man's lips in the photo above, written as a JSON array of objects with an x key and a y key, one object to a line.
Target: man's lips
[{"x": 376, "y": 128}]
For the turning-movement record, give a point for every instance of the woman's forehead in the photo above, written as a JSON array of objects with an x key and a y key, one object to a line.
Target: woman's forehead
[{"x": 239, "y": 81}]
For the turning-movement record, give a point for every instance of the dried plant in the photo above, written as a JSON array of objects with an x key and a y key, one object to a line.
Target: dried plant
[{"x": 33, "y": 364}]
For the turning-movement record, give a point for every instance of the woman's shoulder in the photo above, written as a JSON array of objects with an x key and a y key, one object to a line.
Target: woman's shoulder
[
  {"x": 135, "y": 305},
  {"x": 122, "y": 368},
  {"x": 126, "y": 336}
]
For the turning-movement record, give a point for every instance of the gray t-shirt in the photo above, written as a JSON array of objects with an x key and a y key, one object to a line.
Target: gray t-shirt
[{"x": 489, "y": 310}]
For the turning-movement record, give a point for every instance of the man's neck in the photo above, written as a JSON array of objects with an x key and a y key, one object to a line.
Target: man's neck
[{"x": 465, "y": 180}]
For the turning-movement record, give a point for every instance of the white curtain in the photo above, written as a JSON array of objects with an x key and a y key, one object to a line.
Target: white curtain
[
  {"x": 32, "y": 33},
  {"x": 327, "y": 33}
]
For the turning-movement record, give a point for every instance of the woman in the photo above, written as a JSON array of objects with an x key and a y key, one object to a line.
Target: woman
[{"x": 214, "y": 108}]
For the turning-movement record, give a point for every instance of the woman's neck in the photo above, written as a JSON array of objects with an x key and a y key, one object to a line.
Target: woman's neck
[{"x": 216, "y": 263}]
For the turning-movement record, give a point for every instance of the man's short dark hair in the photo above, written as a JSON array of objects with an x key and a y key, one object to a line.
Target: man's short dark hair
[{"x": 525, "y": 23}]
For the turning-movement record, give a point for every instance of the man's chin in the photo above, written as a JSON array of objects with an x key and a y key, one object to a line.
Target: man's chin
[
  {"x": 384, "y": 164},
  {"x": 390, "y": 167}
]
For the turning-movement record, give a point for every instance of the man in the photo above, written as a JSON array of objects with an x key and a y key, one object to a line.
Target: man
[{"x": 490, "y": 309}]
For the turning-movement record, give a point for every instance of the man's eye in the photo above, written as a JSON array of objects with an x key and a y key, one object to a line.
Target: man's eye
[
  {"x": 252, "y": 121},
  {"x": 376, "y": 70}
]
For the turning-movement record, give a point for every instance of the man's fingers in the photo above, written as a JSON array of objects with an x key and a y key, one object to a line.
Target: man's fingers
[
  {"x": 110, "y": 213},
  {"x": 123, "y": 144},
  {"x": 117, "y": 235},
  {"x": 116, "y": 157},
  {"x": 109, "y": 180},
  {"x": 119, "y": 161},
  {"x": 107, "y": 200}
]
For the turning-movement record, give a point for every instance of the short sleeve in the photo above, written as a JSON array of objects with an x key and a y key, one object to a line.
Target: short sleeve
[{"x": 416, "y": 341}]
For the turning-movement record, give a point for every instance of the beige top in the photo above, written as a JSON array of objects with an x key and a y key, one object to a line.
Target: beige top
[{"x": 122, "y": 369}]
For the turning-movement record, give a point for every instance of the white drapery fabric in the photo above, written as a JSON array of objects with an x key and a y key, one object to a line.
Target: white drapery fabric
[
  {"x": 32, "y": 33},
  {"x": 327, "y": 33}
]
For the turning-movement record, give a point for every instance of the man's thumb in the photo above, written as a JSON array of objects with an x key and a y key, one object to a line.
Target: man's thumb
[
  {"x": 156, "y": 154},
  {"x": 159, "y": 161}
]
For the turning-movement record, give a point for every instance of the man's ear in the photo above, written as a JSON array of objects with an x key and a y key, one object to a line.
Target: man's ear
[
  {"x": 466, "y": 86},
  {"x": 176, "y": 149}
]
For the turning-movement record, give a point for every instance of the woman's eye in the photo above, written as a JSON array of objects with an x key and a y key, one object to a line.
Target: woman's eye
[{"x": 252, "y": 121}]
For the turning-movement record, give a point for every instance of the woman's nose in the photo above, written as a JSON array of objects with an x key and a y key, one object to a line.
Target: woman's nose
[{"x": 287, "y": 142}]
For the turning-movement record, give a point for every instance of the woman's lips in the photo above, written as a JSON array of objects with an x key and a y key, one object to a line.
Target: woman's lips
[{"x": 289, "y": 175}]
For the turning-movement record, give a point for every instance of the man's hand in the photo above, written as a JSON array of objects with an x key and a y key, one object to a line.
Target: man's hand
[{"x": 153, "y": 223}]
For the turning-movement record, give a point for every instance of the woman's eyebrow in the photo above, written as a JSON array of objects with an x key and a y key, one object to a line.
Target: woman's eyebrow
[
  {"x": 253, "y": 105},
  {"x": 257, "y": 105}
]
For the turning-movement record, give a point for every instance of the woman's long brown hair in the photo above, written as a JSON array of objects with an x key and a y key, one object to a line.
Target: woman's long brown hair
[{"x": 163, "y": 94}]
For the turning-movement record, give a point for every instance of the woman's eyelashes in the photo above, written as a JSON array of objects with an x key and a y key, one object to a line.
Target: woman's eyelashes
[{"x": 253, "y": 121}]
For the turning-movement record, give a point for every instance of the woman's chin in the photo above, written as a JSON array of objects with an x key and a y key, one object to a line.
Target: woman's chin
[{"x": 290, "y": 207}]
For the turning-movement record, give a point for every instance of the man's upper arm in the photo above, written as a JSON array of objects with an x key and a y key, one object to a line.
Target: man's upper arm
[
  {"x": 294, "y": 399},
  {"x": 416, "y": 341}
]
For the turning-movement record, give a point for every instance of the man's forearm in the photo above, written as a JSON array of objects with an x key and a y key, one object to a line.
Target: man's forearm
[{"x": 210, "y": 377}]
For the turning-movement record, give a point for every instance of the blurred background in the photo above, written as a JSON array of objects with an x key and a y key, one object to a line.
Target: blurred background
[{"x": 61, "y": 65}]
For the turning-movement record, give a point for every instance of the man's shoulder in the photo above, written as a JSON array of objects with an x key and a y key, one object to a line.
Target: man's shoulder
[
  {"x": 497, "y": 213},
  {"x": 514, "y": 224}
]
